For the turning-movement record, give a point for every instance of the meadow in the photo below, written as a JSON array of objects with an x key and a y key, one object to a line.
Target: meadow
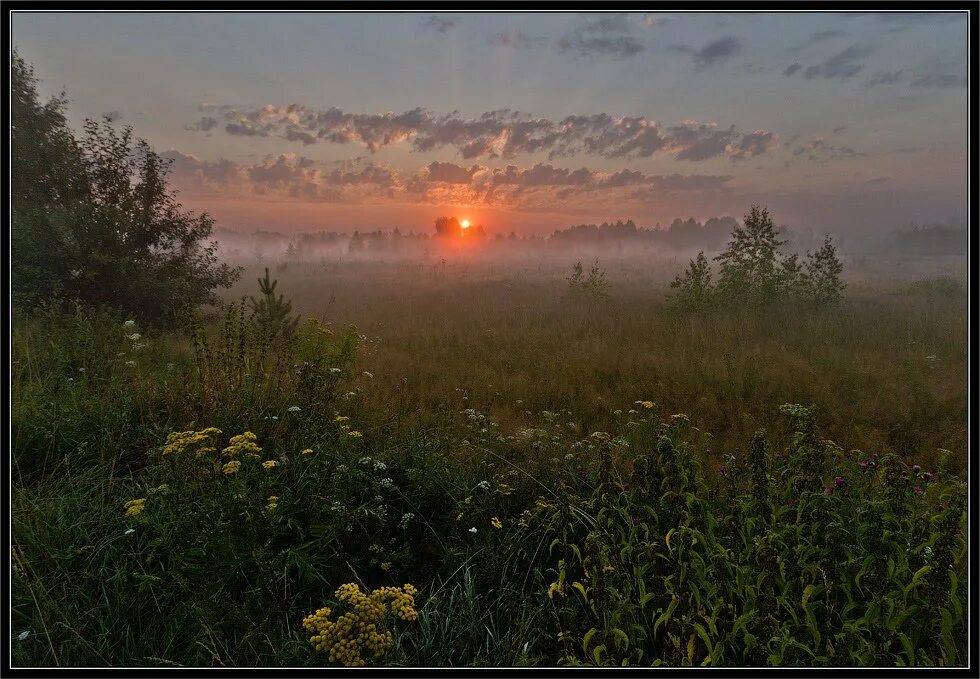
[{"x": 461, "y": 463}]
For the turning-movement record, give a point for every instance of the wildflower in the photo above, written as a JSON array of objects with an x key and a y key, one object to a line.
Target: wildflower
[
  {"x": 273, "y": 503},
  {"x": 380, "y": 466},
  {"x": 916, "y": 468},
  {"x": 838, "y": 481},
  {"x": 928, "y": 476},
  {"x": 917, "y": 490},
  {"x": 386, "y": 566},
  {"x": 504, "y": 489},
  {"x": 243, "y": 443},
  {"x": 723, "y": 470},
  {"x": 134, "y": 507},
  {"x": 337, "y": 507},
  {"x": 483, "y": 485},
  {"x": 554, "y": 588},
  {"x": 368, "y": 375},
  {"x": 365, "y": 460},
  {"x": 387, "y": 483},
  {"x": 680, "y": 417},
  {"x": 829, "y": 490},
  {"x": 646, "y": 404},
  {"x": 406, "y": 518},
  {"x": 270, "y": 464},
  {"x": 23, "y": 635},
  {"x": 129, "y": 531},
  {"x": 473, "y": 529},
  {"x": 354, "y": 434},
  {"x": 495, "y": 522},
  {"x": 342, "y": 468},
  {"x": 341, "y": 418},
  {"x": 131, "y": 363},
  {"x": 232, "y": 467},
  {"x": 129, "y": 325},
  {"x": 293, "y": 409},
  {"x": 335, "y": 371},
  {"x": 135, "y": 337},
  {"x": 306, "y": 451}
]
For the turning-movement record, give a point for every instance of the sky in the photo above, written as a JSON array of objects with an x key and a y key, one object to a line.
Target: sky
[{"x": 529, "y": 122}]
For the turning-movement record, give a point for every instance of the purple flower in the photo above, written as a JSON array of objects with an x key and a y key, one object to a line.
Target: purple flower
[
  {"x": 829, "y": 490},
  {"x": 626, "y": 486},
  {"x": 723, "y": 469},
  {"x": 918, "y": 490},
  {"x": 916, "y": 468},
  {"x": 838, "y": 481},
  {"x": 874, "y": 456},
  {"x": 635, "y": 520},
  {"x": 928, "y": 476},
  {"x": 864, "y": 465}
]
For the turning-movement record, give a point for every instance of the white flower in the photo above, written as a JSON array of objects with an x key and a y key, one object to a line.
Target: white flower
[
  {"x": 335, "y": 371},
  {"x": 386, "y": 483},
  {"x": 341, "y": 467},
  {"x": 131, "y": 363},
  {"x": 23, "y": 635},
  {"x": 483, "y": 485},
  {"x": 380, "y": 466},
  {"x": 134, "y": 337},
  {"x": 368, "y": 375},
  {"x": 365, "y": 460},
  {"x": 294, "y": 409},
  {"x": 406, "y": 518},
  {"x": 129, "y": 325},
  {"x": 473, "y": 529},
  {"x": 129, "y": 530}
]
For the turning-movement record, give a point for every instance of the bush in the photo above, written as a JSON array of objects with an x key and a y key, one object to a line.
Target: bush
[{"x": 94, "y": 219}]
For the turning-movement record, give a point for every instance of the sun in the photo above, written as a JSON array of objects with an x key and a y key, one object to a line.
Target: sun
[{"x": 465, "y": 223}]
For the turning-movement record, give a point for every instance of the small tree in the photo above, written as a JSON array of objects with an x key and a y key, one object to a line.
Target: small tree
[
  {"x": 272, "y": 313},
  {"x": 694, "y": 290},
  {"x": 594, "y": 285},
  {"x": 749, "y": 263},
  {"x": 823, "y": 269},
  {"x": 791, "y": 281}
]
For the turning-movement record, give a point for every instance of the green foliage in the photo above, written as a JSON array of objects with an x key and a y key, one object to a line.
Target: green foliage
[
  {"x": 750, "y": 263},
  {"x": 273, "y": 314},
  {"x": 755, "y": 273},
  {"x": 694, "y": 289},
  {"x": 823, "y": 269},
  {"x": 594, "y": 285},
  {"x": 93, "y": 219}
]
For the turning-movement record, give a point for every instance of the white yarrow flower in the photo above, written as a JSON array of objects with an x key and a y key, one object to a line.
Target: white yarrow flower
[
  {"x": 473, "y": 529},
  {"x": 23, "y": 635}
]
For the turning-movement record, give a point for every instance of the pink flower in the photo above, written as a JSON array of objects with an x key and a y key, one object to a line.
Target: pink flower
[{"x": 918, "y": 490}]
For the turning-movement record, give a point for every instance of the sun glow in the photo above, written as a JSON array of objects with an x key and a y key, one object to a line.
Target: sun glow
[{"x": 465, "y": 223}]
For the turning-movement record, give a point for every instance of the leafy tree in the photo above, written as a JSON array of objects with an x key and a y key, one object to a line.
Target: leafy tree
[
  {"x": 94, "y": 219},
  {"x": 594, "y": 285},
  {"x": 791, "y": 280},
  {"x": 749, "y": 263},
  {"x": 694, "y": 290},
  {"x": 823, "y": 271},
  {"x": 272, "y": 313}
]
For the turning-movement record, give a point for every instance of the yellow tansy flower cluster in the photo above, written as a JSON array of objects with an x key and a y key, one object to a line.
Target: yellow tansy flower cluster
[
  {"x": 232, "y": 467},
  {"x": 270, "y": 464},
  {"x": 495, "y": 522},
  {"x": 134, "y": 507},
  {"x": 243, "y": 443},
  {"x": 273, "y": 503},
  {"x": 645, "y": 404},
  {"x": 354, "y": 434},
  {"x": 362, "y": 629},
  {"x": 307, "y": 451},
  {"x": 341, "y": 418},
  {"x": 180, "y": 441}
]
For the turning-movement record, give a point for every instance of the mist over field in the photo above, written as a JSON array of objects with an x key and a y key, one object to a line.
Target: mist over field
[{"x": 404, "y": 339}]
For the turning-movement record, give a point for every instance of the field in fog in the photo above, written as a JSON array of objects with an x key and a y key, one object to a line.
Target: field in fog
[{"x": 887, "y": 371}]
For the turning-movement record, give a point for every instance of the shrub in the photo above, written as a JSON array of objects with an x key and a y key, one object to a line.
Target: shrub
[{"x": 694, "y": 289}]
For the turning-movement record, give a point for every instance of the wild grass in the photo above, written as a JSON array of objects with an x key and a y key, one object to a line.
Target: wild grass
[{"x": 547, "y": 471}]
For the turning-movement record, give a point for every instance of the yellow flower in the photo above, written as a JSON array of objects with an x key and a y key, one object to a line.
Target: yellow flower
[
  {"x": 341, "y": 418},
  {"x": 307, "y": 451},
  {"x": 386, "y": 566},
  {"x": 180, "y": 441},
  {"x": 354, "y": 434},
  {"x": 495, "y": 522},
  {"x": 270, "y": 464},
  {"x": 243, "y": 443},
  {"x": 645, "y": 404},
  {"x": 273, "y": 503},
  {"x": 134, "y": 507},
  {"x": 232, "y": 467}
]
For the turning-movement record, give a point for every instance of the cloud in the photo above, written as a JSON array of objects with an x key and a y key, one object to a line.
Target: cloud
[
  {"x": 356, "y": 182},
  {"x": 608, "y": 36},
  {"x": 654, "y": 19},
  {"x": 939, "y": 80},
  {"x": 113, "y": 116},
  {"x": 440, "y": 24},
  {"x": 846, "y": 64},
  {"x": 204, "y": 124},
  {"x": 791, "y": 69},
  {"x": 883, "y": 78},
  {"x": 821, "y": 36},
  {"x": 714, "y": 53},
  {"x": 838, "y": 130},
  {"x": 818, "y": 151},
  {"x": 518, "y": 40},
  {"x": 503, "y": 133}
]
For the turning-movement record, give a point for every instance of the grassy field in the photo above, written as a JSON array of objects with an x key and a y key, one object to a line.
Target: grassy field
[{"x": 560, "y": 481}]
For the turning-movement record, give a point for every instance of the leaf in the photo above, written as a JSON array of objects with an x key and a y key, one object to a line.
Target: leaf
[
  {"x": 807, "y": 593},
  {"x": 587, "y": 638},
  {"x": 670, "y": 534}
]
